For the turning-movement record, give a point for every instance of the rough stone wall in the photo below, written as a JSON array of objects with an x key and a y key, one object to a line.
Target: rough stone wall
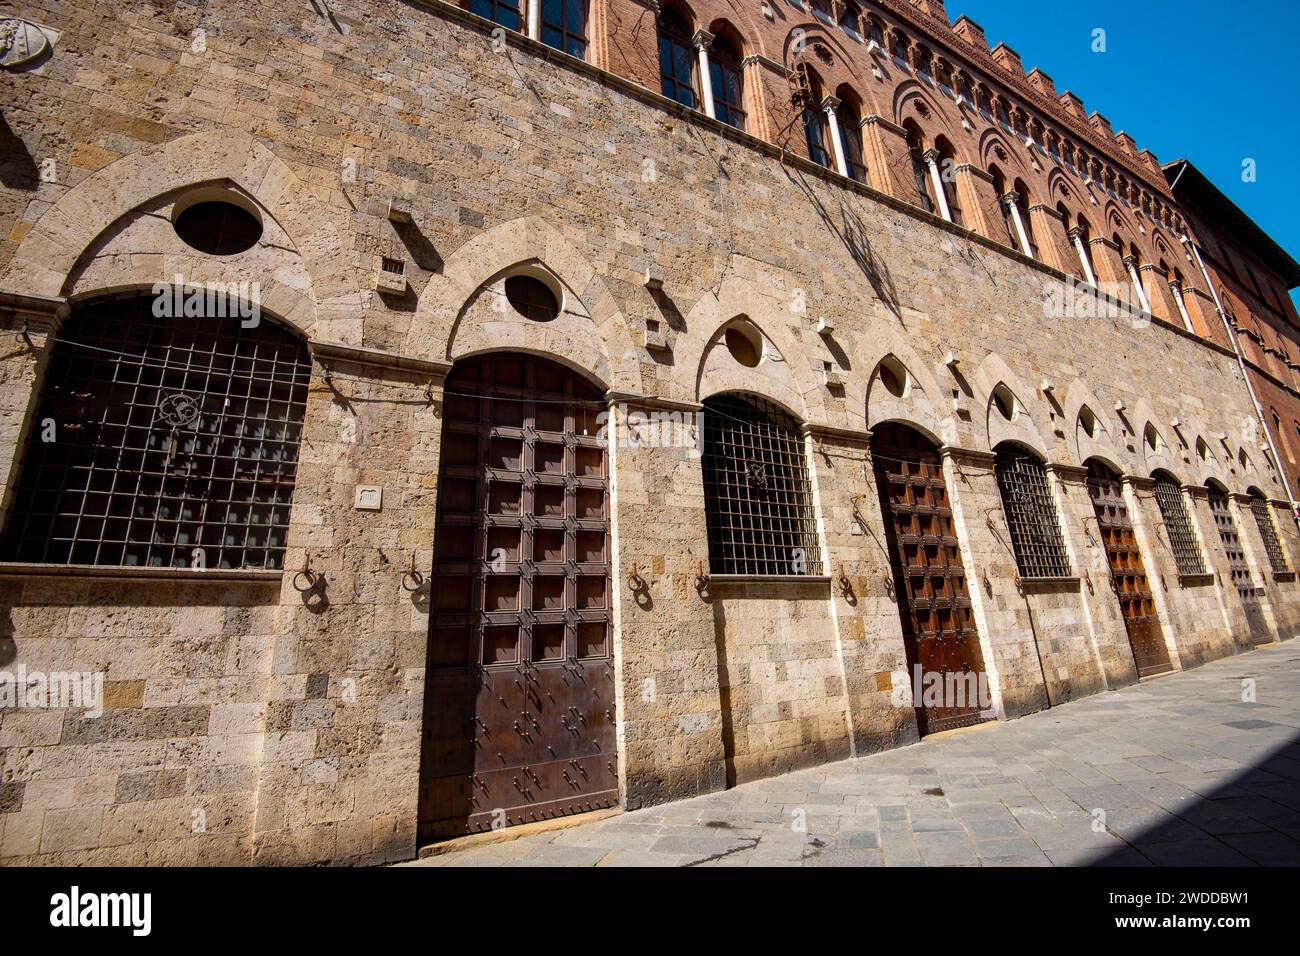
[{"x": 300, "y": 734}]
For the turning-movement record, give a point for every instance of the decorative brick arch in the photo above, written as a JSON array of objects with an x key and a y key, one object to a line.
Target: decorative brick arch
[
  {"x": 909, "y": 91},
  {"x": 604, "y": 350},
  {"x": 49, "y": 256},
  {"x": 993, "y": 137}
]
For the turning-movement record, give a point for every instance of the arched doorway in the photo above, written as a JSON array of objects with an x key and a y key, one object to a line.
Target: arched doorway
[
  {"x": 929, "y": 580},
  {"x": 1221, "y": 512},
  {"x": 519, "y": 701},
  {"x": 1128, "y": 577}
]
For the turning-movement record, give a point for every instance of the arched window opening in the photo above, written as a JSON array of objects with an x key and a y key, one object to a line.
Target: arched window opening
[
  {"x": 564, "y": 26},
  {"x": 815, "y": 129},
  {"x": 1064, "y": 213},
  {"x": 920, "y": 171},
  {"x": 677, "y": 58},
  {"x": 948, "y": 176},
  {"x": 505, "y": 12},
  {"x": 1030, "y": 244},
  {"x": 727, "y": 81},
  {"x": 1031, "y": 514},
  {"x": 1004, "y": 203},
  {"x": 175, "y": 441},
  {"x": 1085, "y": 245},
  {"x": 850, "y": 16},
  {"x": 1178, "y": 526},
  {"x": 758, "y": 507},
  {"x": 850, "y": 117}
]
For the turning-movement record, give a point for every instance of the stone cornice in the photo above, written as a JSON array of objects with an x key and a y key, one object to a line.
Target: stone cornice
[
  {"x": 378, "y": 357},
  {"x": 975, "y": 455},
  {"x": 767, "y": 61},
  {"x": 1138, "y": 481},
  {"x": 817, "y": 430},
  {"x": 1063, "y": 470},
  {"x": 615, "y": 397},
  {"x": 974, "y": 171},
  {"x": 39, "y": 313},
  {"x": 877, "y": 119}
]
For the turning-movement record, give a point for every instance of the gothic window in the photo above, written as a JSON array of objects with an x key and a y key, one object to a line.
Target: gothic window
[
  {"x": 850, "y": 117},
  {"x": 920, "y": 170},
  {"x": 677, "y": 58},
  {"x": 505, "y": 12},
  {"x": 948, "y": 175},
  {"x": 564, "y": 26},
  {"x": 728, "y": 83},
  {"x": 165, "y": 441},
  {"x": 816, "y": 134},
  {"x": 1031, "y": 514},
  {"x": 757, "y": 502}
]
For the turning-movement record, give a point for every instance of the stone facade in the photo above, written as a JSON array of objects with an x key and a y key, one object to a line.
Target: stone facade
[{"x": 247, "y": 721}]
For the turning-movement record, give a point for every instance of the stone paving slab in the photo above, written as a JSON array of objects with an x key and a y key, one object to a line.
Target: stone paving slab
[{"x": 1175, "y": 772}]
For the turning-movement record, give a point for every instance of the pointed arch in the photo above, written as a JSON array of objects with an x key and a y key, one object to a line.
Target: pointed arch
[
  {"x": 1023, "y": 427},
  {"x": 439, "y": 328},
  {"x": 48, "y": 257}
]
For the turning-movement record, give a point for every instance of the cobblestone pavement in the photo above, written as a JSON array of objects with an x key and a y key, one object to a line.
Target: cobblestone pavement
[{"x": 1178, "y": 771}]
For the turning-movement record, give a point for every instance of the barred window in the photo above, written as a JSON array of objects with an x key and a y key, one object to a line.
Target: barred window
[
  {"x": 1268, "y": 531},
  {"x": 756, "y": 499},
  {"x": 1031, "y": 514},
  {"x": 1182, "y": 539},
  {"x": 161, "y": 442}
]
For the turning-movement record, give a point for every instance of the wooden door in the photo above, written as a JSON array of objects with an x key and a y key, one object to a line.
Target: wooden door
[
  {"x": 929, "y": 581},
  {"x": 1221, "y": 511},
  {"x": 1128, "y": 577},
  {"x": 519, "y": 705}
]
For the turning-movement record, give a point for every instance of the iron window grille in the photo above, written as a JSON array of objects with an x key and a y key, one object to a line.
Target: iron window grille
[
  {"x": 757, "y": 503},
  {"x": 1272, "y": 546},
  {"x": 1031, "y": 515},
  {"x": 564, "y": 26},
  {"x": 162, "y": 442},
  {"x": 1182, "y": 539},
  {"x": 677, "y": 59}
]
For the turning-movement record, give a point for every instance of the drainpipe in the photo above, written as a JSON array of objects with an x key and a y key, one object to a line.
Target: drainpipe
[{"x": 1241, "y": 363}]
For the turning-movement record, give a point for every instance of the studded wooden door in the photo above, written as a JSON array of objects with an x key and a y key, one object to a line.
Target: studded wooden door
[
  {"x": 1221, "y": 511},
  {"x": 519, "y": 704},
  {"x": 1128, "y": 577},
  {"x": 944, "y": 659}
]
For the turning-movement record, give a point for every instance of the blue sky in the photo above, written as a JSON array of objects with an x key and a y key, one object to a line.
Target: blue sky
[{"x": 1210, "y": 81}]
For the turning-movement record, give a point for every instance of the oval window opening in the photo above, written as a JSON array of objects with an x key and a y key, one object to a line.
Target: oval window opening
[
  {"x": 1004, "y": 403},
  {"x": 742, "y": 348},
  {"x": 218, "y": 228},
  {"x": 894, "y": 378},
  {"x": 1152, "y": 439},
  {"x": 1089, "y": 422},
  {"x": 531, "y": 298}
]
